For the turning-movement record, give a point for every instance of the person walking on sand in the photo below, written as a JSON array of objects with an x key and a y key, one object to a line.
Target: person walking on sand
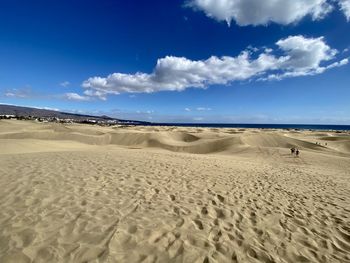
[
  {"x": 292, "y": 151},
  {"x": 297, "y": 152}
]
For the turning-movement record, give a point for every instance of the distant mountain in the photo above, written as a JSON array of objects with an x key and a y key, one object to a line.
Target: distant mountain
[{"x": 42, "y": 113}]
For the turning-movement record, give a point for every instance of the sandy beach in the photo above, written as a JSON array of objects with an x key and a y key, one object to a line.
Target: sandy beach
[{"x": 80, "y": 193}]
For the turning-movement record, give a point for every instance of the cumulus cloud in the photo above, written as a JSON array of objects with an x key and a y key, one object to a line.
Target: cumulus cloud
[
  {"x": 258, "y": 12},
  {"x": 179, "y": 73},
  {"x": 304, "y": 57},
  {"x": 293, "y": 56},
  {"x": 345, "y": 7},
  {"x": 75, "y": 96}
]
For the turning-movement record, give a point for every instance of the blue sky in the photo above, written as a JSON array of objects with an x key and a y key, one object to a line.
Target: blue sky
[{"x": 228, "y": 61}]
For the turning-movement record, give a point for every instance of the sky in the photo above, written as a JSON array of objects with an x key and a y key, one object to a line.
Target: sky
[{"x": 196, "y": 61}]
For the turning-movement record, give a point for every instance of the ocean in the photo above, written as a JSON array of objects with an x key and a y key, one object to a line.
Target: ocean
[{"x": 259, "y": 126}]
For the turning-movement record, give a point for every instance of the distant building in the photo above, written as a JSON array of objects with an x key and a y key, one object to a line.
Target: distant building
[{"x": 7, "y": 116}]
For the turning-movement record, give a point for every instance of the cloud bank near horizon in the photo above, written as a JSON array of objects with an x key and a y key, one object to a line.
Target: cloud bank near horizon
[
  {"x": 293, "y": 56},
  {"x": 284, "y": 12}
]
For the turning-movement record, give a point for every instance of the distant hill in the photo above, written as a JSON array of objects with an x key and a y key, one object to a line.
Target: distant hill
[{"x": 42, "y": 113}]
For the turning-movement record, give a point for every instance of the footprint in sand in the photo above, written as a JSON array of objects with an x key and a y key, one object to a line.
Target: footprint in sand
[
  {"x": 220, "y": 198},
  {"x": 132, "y": 229},
  {"x": 204, "y": 211},
  {"x": 198, "y": 224}
]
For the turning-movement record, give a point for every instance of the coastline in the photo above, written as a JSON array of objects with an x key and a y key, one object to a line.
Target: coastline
[{"x": 314, "y": 127}]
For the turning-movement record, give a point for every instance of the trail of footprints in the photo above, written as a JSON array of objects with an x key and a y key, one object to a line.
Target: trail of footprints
[{"x": 146, "y": 210}]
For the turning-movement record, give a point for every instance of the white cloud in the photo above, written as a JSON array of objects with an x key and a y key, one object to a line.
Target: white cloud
[
  {"x": 262, "y": 12},
  {"x": 345, "y": 7},
  {"x": 203, "y": 109},
  {"x": 199, "y": 109},
  {"x": 179, "y": 73},
  {"x": 297, "y": 56},
  {"x": 145, "y": 112},
  {"x": 45, "y": 108},
  {"x": 198, "y": 119},
  {"x": 65, "y": 84},
  {"x": 304, "y": 57},
  {"x": 10, "y": 94},
  {"x": 75, "y": 96},
  {"x": 22, "y": 93},
  {"x": 95, "y": 93},
  {"x": 340, "y": 63}
]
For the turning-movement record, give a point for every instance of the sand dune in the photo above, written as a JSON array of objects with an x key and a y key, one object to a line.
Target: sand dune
[
  {"x": 77, "y": 193},
  {"x": 189, "y": 140}
]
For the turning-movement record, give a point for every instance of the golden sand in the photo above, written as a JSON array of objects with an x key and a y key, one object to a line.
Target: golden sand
[{"x": 78, "y": 193}]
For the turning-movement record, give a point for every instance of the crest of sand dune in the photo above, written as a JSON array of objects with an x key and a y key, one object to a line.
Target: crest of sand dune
[{"x": 79, "y": 193}]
